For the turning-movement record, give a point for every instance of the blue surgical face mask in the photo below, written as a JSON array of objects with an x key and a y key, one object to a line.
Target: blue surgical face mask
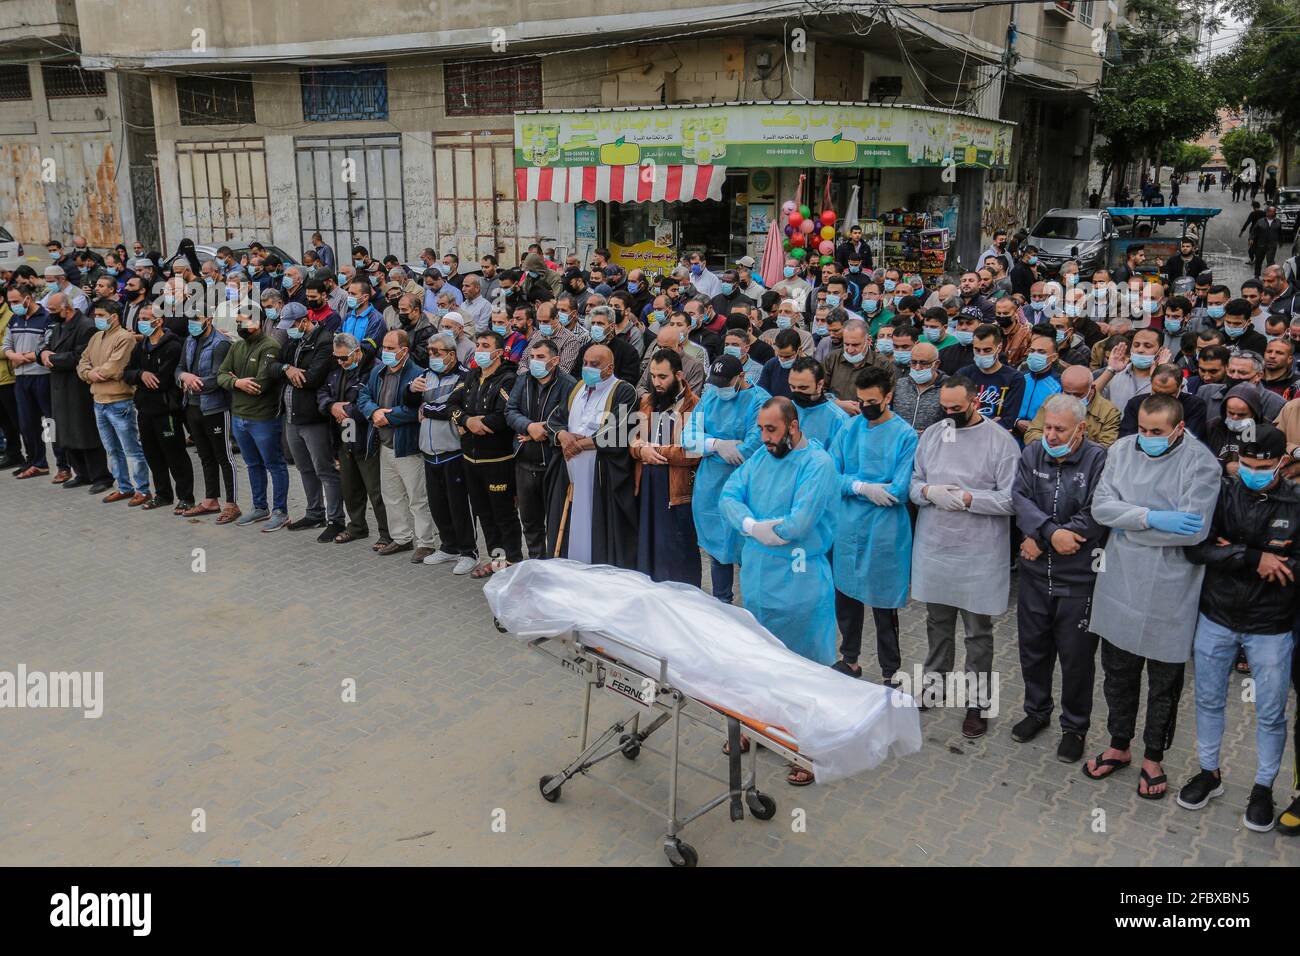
[
  {"x": 537, "y": 368},
  {"x": 1036, "y": 361},
  {"x": 563, "y": 317},
  {"x": 388, "y": 358},
  {"x": 501, "y": 330},
  {"x": 855, "y": 269},
  {"x": 1142, "y": 361},
  {"x": 890, "y": 285},
  {"x": 546, "y": 328},
  {"x": 732, "y": 350},
  {"x": 1153, "y": 445},
  {"x": 341, "y": 279},
  {"x": 833, "y": 301},
  {"x": 885, "y": 346},
  {"x": 933, "y": 334},
  {"x": 903, "y": 356},
  {"x": 634, "y": 287},
  {"x": 1173, "y": 326},
  {"x": 1234, "y": 332},
  {"x": 109, "y": 270},
  {"x": 785, "y": 363},
  {"x": 272, "y": 312},
  {"x": 1056, "y": 451},
  {"x": 964, "y": 336},
  {"x": 985, "y": 361},
  {"x": 598, "y": 333},
  {"x": 1256, "y": 479},
  {"x": 696, "y": 268},
  {"x": 358, "y": 262},
  {"x": 1072, "y": 310},
  {"x": 101, "y": 324},
  {"x": 1216, "y": 311},
  {"x": 590, "y": 376},
  {"x": 854, "y": 358},
  {"x": 54, "y": 254},
  {"x": 727, "y": 288},
  {"x": 1038, "y": 306},
  {"x": 921, "y": 375},
  {"x": 788, "y": 272},
  {"x": 194, "y": 328},
  {"x": 352, "y": 302},
  {"x": 870, "y": 306},
  {"x": 144, "y": 328},
  {"x": 20, "y": 309},
  {"x": 1033, "y": 260},
  {"x": 296, "y": 333},
  {"x": 1060, "y": 336},
  {"x": 783, "y": 322},
  {"x": 482, "y": 359},
  {"x": 286, "y": 283},
  {"x": 819, "y": 329},
  {"x": 725, "y": 393}
]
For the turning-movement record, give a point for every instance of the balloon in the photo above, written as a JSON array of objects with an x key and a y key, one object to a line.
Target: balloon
[
  {"x": 828, "y": 217},
  {"x": 805, "y": 211},
  {"x": 827, "y": 260},
  {"x": 789, "y": 230},
  {"x": 826, "y": 247},
  {"x": 797, "y": 239},
  {"x": 796, "y": 219},
  {"x": 828, "y": 232},
  {"x": 786, "y": 245},
  {"x": 788, "y": 206},
  {"x": 806, "y": 227},
  {"x": 798, "y": 253}
]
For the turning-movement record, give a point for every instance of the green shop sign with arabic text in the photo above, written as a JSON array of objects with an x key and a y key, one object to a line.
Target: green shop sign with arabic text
[{"x": 762, "y": 135}]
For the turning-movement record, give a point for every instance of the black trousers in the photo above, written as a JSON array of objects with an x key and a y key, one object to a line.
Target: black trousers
[
  {"x": 449, "y": 503},
  {"x": 850, "y": 614},
  {"x": 163, "y": 443},
  {"x": 530, "y": 493},
  {"x": 211, "y": 434},
  {"x": 1051, "y": 627},
  {"x": 359, "y": 483},
  {"x": 90, "y": 464},
  {"x": 1122, "y": 685},
  {"x": 34, "y": 405},
  {"x": 1295, "y": 685},
  {"x": 9, "y": 423},
  {"x": 492, "y": 495}
]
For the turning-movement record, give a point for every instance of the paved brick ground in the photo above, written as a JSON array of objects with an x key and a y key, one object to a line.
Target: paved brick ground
[{"x": 223, "y": 693}]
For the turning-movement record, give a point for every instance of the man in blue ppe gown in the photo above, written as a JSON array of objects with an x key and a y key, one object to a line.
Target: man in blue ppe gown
[
  {"x": 872, "y": 561},
  {"x": 782, "y": 501},
  {"x": 723, "y": 429},
  {"x": 819, "y": 418}
]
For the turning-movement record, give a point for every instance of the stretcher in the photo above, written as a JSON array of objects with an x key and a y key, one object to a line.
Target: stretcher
[{"x": 676, "y": 656}]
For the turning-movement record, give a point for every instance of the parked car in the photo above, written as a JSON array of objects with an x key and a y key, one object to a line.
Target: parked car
[
  {"x": 1079, "y": 234},
  {"x": 11, "y": 251},
  {"x": 1288, "y": 210},
  {"x": 207, "y": 252}
]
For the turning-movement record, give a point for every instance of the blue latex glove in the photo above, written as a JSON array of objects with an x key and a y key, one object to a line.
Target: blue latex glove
[{"x": 1175, "y": 522}]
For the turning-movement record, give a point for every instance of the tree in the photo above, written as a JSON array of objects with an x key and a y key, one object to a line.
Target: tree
[
  {"x": 1184, "y": 157},
  {"x": 1241, "y": 144},
  {"x": 1155, "y": 93}
]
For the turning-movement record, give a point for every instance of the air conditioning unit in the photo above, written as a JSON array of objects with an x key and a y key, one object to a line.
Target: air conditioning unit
[{"x": 1063, "y": 9}]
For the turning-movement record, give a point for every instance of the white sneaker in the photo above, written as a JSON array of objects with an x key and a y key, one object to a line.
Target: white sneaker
[
  {"x": 464, "y": 564},
  {"x": 439, "y": 557}
]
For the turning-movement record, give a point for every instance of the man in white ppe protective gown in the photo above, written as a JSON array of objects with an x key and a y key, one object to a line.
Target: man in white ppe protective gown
[{"x": 962, "y": 477}]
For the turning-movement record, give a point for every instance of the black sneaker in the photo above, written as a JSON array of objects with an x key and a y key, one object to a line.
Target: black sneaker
[
  {"x": 844, "y": 667},
  {"x": 1259, "y": 811},
  {"x": 1070, "y": 749},
  {"x": 300, "y": 524},
  {"x": 1202, "y": 788},
  {"x": 330, "y": 532},
  {"x": 1028, "y": 729}
]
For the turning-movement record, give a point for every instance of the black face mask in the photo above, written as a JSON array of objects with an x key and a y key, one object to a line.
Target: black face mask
[
  {"x": 245, "y": 334},
  {"x": 1006, "y": 320},
  {"x": 806, "y": 401},
  {"x": 871, "y": 411},
  {"x": 959, "y": 419},
  {"x": 782, "y": 448}
]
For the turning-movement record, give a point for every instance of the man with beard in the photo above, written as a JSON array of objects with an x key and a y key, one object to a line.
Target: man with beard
[
  {"x": 667, "y": 548},
  {"x": 593, "y": 514},
  {"x": 74, "y": 409}
]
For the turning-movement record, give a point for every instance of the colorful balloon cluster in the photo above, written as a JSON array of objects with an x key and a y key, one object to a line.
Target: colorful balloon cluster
[{"x": 803, "y": 232}]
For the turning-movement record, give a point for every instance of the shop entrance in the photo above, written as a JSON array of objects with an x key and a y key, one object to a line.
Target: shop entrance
[{"x": 716, "y": 228}]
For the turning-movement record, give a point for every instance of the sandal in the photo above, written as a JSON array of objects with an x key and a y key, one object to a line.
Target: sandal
[
  {"x": 381, "y": 543},
  {"x": 1152, "y": 782},
  {"x": 345, "y": 537},
  {"x": 744, "y": 746},
  {"x": 228, "y": 514},
  {"x": 484, "y": 570},
  {"x": 799, "y": 777},
  {"x": 1115, "y": 765},
  {"x": 182, "y": 507},
  {"x": 196, "y": 510},
  {"x": 153, "y": 503}
]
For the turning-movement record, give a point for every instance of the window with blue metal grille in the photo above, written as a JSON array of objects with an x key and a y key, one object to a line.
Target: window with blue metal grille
[{"x": 344, "y": 93}]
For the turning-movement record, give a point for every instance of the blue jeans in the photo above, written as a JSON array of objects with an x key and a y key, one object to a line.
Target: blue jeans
[
  {"x": 259, "y": 443},
  {"x": 722, "y": 577},
  {"x": 121, "y": 438},
  {"x": 1269, "y": 656}
]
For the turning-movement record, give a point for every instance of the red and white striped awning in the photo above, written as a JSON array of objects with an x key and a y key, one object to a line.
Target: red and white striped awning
[{"x": 621, "y": 183}]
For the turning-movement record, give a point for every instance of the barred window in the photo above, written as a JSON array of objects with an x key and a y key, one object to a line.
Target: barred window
[
  {"x": 15, "y": 82},
  {"x": 213, "y": 100},
  {"x": 68, "y": 80},
  {"x": 344, "y": 93},
  {"x": 486, "y": 87}
]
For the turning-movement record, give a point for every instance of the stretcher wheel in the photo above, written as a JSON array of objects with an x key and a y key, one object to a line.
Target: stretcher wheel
[
  {"x": 630, "y": 746},
  {"x": 553, "y": 795},
  {"x": 681, "y": 854},
  {"x": 761, "y": 806}
]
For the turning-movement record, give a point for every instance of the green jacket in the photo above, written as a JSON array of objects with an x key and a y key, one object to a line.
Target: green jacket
[{"x": 252, "y": 359}]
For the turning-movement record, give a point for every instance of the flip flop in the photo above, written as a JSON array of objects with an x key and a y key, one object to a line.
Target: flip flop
[
  {"x": 1152, "y": 782},
  {"x": 799, "y": 777},
  {"x": 197, "y": 510},
  {"x": 1118, "y": 765}
]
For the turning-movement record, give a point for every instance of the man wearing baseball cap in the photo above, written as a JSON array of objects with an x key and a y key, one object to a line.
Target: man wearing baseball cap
[{"x": 1249, "y": 601}]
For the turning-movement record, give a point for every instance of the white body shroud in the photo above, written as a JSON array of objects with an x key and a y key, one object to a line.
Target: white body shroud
[{"x": 716, "y": 653}]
